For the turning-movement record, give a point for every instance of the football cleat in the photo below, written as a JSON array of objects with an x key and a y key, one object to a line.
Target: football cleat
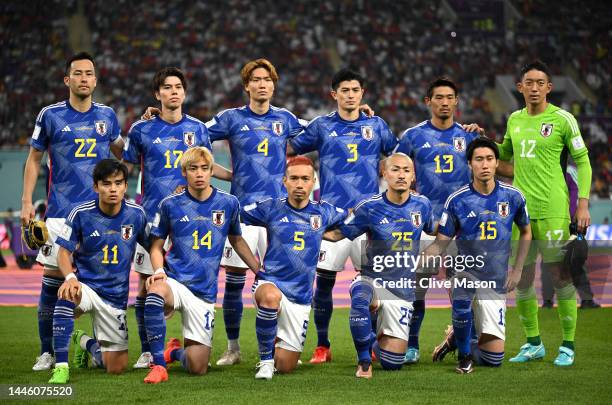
[
  {"x": 144, "y": 361},
  {"x": 565, "y": 357},
  {"x": 61, "y": 375},
  {"x": 172, "y": 345},
  {"x": 529, "y": 352},
  {"x": 364, "y": 370},
  {"x": 321, "y": 354},
  {"x": 265, "y": 370},
  {"x": 412, "y": 356},
  {"x": 81, "y": 356},
  {"x": 447, "y": 346},
  {"x": 44, "y": 362},
  {"x": 157, "y": 375},
  {"x": 466, "y": 365},
  {"x": 229, "y": 358}
]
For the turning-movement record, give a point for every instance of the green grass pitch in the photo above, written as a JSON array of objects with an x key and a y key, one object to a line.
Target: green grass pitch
[{"x": 589, "y": 381}]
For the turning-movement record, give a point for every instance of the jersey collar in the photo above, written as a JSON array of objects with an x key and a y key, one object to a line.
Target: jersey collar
[
  {"x": 485, "y": 195},
  {"x": 106, "y": 215},
  {"x": 384, "y": 196},
  {"x": 210, "y": 197}
]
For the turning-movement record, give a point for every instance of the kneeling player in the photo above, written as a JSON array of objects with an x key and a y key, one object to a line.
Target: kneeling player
[
  {"x": 482, "y": 211},
  {"x": 395, "y": 215},
  {"x": 101, "y": 235},
  {"x": 283, "y": 290},
  {"x": 198, "y": 220}
]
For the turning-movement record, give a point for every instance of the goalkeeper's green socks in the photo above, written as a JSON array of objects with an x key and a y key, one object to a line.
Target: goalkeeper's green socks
[
  {"x": 568, "y": 313},
  {"x": 527, "y": 306}
]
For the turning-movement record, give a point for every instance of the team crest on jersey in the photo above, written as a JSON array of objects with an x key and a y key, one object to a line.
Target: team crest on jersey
[
  {"x": 189, "y": 138},
  {"x": 277, "y": 127},
  {"x": 227, "y": 252},
  {"x": 218, "y": 217},
  {"x": 322, "y": 256},
  {"x": 546, "y": 130},
  {"x": 367, "y": 132},
  {"x": 139, "y": 258},
  {"x": 127, "y": 231},
  {"x": 459, "y": 143},
  {"x": 503, "y": 209},
  {"x": 416, "y": 219},
  {"x": 101, "y": 127},
  {"x": 46, "y": 250},
  {"x": 315, "y": 222}
]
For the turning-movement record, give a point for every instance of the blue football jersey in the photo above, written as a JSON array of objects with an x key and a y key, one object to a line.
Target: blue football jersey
[
  {"x": 103, "y": 247},
  {"x": 258, "y": 146},
  {"x": 75, "y": 141},
  {"x": 482, "y": 225},
  {"x": 349, "y": 155},
  {"x": 197, "y": 230},
  {"x": 386, "y": 223},
  {"x": 157, "y": 146},
  {"x": 294, "y": 241},
  {"x": 439, "y": 159}
]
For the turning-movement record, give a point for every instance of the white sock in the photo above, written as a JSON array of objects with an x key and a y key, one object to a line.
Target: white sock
[
  {"x": 83, "y": 342},
  {"x": 62, "y": 364},
  {"x": 233, "y": 345}
]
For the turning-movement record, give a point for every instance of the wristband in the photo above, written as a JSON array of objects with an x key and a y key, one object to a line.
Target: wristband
[
  {"x": 159, "y": 271},
  {"x": 70, "y": 276}
]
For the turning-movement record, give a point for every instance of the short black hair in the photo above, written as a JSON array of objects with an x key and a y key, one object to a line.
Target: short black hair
[
  {"x": 347, "y": 74},
  {"x": 109, "y": 167},
  {"x": 481, "y": 142},
  {"x": 440, "y": 82},
  {"x": 79, "y": 56},
  {"x": 161, "y": 76},
  {"x": 535, "y": 65}
]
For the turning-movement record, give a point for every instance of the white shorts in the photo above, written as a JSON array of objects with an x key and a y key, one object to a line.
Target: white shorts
[
  {"x": 255, "y": 237},
  {"x": 47, "y": 255},
  {"x": 292, "y": 322},
  {"x": 490, "y": 315},
  {"x": 142, "y": 259},
  {"x": 198, "y": 315},
  {"x": 333, "y": 255},
  {"x": 109, "y": 323}
]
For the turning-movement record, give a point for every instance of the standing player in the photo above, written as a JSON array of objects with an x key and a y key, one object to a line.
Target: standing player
[
  {"x": 197, "y": 220},
  {"x": 76, "y": 134},
  {"x": 101, "y": 237},
  {"x": 400, "y": 216},
  {"x": 538, "y": 137},
  {"x": 437, "y": 147},
  {"x": 283, "y": 290},
  {"x": 157, "y": 146},
  {"x": 350, "y": 145},
  {"x": 481, "y": 215}
]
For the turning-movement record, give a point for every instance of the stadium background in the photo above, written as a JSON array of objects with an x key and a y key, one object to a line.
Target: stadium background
[{"x": 399, "y": 45}]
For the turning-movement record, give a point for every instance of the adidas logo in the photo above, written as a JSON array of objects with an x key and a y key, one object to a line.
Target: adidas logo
[
  {"x": 333, "y": 134},
  {"x": 284, "y": 219},
  {"x": 94, "y": 233},
  {"x": 66, "y": 129},
  {"x": 384, "y": 221},
  {"x": 184, "y": 219},
  {"x": 472, "y": 214},
  {"x": 157, "y": 140},
  {"x": 427, "y": 145},
  {"x": 245, "y": 128}
]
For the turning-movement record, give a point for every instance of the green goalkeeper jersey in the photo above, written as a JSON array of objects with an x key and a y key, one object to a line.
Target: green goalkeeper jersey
[{"x": 539, "y": 144}]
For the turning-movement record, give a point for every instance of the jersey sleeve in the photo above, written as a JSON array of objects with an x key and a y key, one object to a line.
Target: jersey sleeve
[
  {"x": 132, "y": 149},
  {"x": 161, "y": 223},
  {"x": 521, "y": 217},
  {"x": 143, "y": 232},
  {"x": 256, "y": 213},
  {"x": 404, "y": 144},
  {"x": 356, "y": 223},
  {"x": 448, "y": 221},
  {"x": 115, "y": 127},
  {"x": 296, "y": 125},
  {"x": 389, "y": 140},
  {"x": 69, "y": 235},
  {"x": 307, "y": 140},
  {"x": 334, "y": 216},
  {"x": 234, "y": 226},
  {"x": 574, "y": 142},
  {"x": 505, "y": 148},
  {"x": 430, "y": 223},
  {"x": 41, "y": 136},
  {"x": 219, "y": 126}
]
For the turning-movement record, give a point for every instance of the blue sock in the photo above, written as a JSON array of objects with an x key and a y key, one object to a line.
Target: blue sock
[
  {"x": 323, "y": 305},
  {"x": 487, "y": 358},
  {"x": 155, "y": 323},
  {"x": 462, "y": 326},
  {"x": 390, "y": 360},
  {"x": 179, "y": 355},
  {"x": 359, "y": 319},
  {"x": 415, "y": 323},
  {"x": 139, "y": 308},
  {"x": 232, "y": 303},
  {"x": 93, "y": 347},
  {"x": 46, "y": 306},
  {"x": 266, "y": 325},
  {"x": 63, "y": 325}
]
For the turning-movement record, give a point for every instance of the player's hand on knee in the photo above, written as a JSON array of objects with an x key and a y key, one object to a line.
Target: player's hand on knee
[
  {"x": 159, "y": 275},
  {"x": 69, "y": 290},
  {"x": 150, "y": 112}
]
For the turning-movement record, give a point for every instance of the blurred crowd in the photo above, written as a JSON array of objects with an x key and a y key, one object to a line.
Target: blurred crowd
[{"x": 399, "y": 45}]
